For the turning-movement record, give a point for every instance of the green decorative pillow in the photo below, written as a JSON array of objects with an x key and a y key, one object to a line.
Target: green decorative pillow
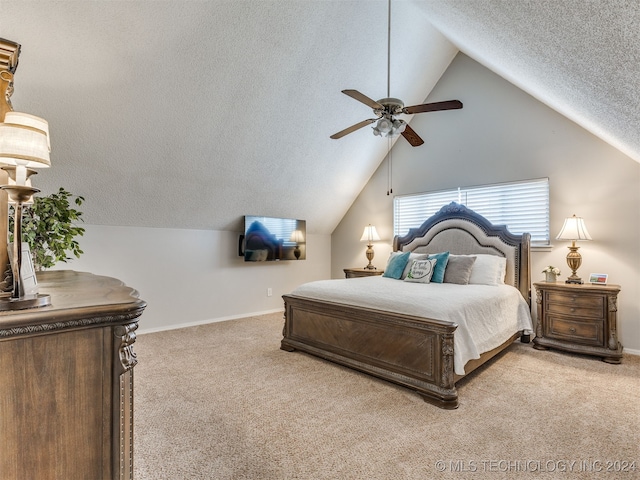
[
  {"x": 395, "y": 265},
  {"x": 421, "y": 271},
  {"x": 441, "y": 265}
]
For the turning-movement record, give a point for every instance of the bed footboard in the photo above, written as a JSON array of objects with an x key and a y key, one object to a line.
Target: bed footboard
[{"x": 415, "y": 353}]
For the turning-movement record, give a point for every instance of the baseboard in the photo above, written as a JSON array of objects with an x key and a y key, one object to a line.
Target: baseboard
[{"x": 176, "y": 326}]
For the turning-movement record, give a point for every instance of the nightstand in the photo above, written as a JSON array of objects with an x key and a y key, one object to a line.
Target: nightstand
[
  {"x": 579, "y": 319},
  {"x": 361, "y": 272}
]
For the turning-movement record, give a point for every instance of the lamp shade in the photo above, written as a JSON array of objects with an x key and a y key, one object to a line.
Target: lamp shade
[
  {"x": 573, "y": 229},
  {"x": 24, "y": 140},
  {"x": 370, "y": 234},
  {"x": 296, "y": 236}
]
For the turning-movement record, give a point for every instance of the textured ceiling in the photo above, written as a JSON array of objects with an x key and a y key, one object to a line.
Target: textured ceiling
[
  {"x": 580, "y": 57},
  {"x": 190, "y": 114}
]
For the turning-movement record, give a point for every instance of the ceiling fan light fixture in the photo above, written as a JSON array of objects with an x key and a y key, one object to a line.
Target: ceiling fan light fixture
[
  {"x": 383, "y": 127},
  {"x": 389, "y": 127},
  {"x": 399, "y": 126}
]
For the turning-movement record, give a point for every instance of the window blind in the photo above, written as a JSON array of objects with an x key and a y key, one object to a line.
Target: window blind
[{"x": 521, "y": 206}]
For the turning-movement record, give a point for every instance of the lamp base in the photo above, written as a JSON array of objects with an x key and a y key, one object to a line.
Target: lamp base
[
  {"x": 574, "y": 260},
  {"x": 28, "y": 301},
  {"x": 369, "y": 255}
]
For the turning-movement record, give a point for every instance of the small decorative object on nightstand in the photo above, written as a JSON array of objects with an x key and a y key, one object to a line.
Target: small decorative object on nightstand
[
  {"x": 551, "y": 274},
  {"x": 361, "y": 272},
  {"x": 578, "y": 318}
]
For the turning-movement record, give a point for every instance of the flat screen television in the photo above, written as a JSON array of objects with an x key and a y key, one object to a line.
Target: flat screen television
[{"x": 268, "y": 239}]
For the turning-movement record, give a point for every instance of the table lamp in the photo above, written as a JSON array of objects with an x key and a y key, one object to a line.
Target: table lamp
[
  {"x": 574, "y": 229},
  {"x": 24, "y": 144},
  {"x": 370, "y": 235}
]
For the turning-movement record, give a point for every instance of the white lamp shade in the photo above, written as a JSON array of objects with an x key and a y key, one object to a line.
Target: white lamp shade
[
  {"x": 28, "y": 120},
  {"x": 296, "y": 236},
  {"x": 573, "y": 229},
  {"x": 370, "y": 234},
  {"x": 24, "y": 140}
]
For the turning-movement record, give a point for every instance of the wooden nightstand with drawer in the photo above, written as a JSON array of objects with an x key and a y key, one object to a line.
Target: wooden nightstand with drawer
[
  {"x": 579, "y": 319},
  {"x": 361, "y": 272}
]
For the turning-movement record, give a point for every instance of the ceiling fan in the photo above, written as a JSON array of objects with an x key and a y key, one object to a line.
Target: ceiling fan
[{"x": 388, "y": 109}]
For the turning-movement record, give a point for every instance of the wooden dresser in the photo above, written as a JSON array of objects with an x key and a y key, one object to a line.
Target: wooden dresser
[
  {"x": 66, "y": 381},
  {"x": 578, "y": 318}
]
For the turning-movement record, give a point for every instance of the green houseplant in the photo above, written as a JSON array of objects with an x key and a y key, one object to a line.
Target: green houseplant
[{"x": 49, "y": 228}]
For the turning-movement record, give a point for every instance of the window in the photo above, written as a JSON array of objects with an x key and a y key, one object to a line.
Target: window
[{"x": 521, "y": 206}]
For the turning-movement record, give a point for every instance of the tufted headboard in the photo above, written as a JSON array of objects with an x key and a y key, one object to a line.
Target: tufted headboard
[{"x": 461, "y": 231}]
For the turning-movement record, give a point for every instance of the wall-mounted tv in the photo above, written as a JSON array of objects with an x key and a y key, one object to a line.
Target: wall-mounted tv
[{"x": 269, "y": 239}]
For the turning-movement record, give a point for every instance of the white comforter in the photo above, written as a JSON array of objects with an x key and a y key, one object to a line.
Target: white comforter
[{"x": 486, "y": 315}]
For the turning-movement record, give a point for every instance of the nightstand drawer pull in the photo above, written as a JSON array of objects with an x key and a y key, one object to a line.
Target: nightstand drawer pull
[{"x": 572, "y": 330}]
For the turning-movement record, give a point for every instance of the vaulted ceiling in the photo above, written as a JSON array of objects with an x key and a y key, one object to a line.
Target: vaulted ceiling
[{"x": 190, "y": 114}]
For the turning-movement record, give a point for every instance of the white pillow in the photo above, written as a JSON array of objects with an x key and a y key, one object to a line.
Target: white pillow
[
  {"x": 488, "y": 270},
  {"x": 421, "y": 271}
]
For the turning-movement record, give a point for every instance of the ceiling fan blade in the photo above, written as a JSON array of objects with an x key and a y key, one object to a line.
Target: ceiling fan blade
[
  {"x": 352, "y": 128},
  {"x": 412, "y": 137},
  {"x": 363, "y": 98},
  {"x": 433, "y": 107}
]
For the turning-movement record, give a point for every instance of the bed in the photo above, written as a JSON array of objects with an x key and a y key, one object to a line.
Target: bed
[{"x": 410, "y": 333}]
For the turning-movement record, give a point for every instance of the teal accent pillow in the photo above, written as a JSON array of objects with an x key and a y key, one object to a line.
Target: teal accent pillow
[
  {"x": 441, "y": 265},
  {"x": 396, "y": 264}
]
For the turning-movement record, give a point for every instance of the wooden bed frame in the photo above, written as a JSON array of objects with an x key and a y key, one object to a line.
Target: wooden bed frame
[{"x": 411, "y": 351}]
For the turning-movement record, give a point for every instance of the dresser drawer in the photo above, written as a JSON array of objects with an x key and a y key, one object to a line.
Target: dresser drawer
[
  {"x": 576, "y": 310},
  {"x": 566, "y": 328},
  {"x": 587, "y": 301}
]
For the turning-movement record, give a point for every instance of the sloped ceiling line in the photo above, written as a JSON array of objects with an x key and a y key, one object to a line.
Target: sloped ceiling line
[{"x": 234, "y": 102}]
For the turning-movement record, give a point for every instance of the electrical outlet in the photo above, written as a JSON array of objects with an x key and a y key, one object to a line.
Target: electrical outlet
[{"x": 269, "y": 292}]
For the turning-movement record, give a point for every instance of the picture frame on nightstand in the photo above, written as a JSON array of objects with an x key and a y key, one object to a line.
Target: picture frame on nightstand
[
  {"x": 27, "y": 271},
  {"x": 598, "y": 278}
]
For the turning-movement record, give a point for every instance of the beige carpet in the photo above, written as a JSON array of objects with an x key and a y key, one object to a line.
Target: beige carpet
[{"x": 222, "y": 401}]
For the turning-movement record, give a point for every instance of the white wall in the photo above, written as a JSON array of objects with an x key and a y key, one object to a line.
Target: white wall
[
  {"x": 194, "y": 276},
  {"x": 503, "y": 134}
]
